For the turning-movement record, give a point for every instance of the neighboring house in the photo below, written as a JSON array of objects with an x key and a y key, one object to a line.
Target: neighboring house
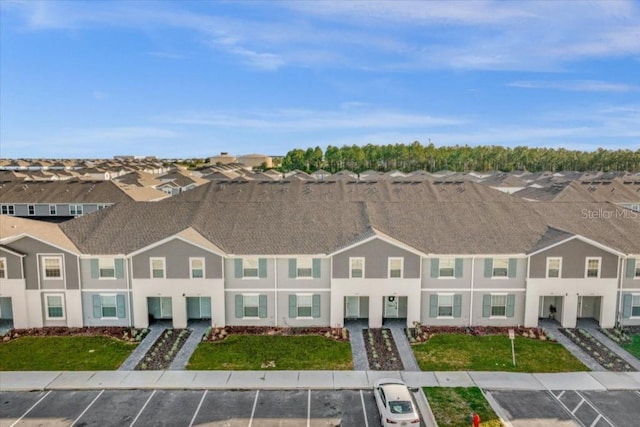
[
  {"x": 295, "y": 254},
  {"x": 68, "y": 198}
]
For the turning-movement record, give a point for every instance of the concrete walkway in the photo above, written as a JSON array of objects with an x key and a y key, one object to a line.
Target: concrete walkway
[
  {"x": 553, "y": 331},
  {"x": 328, "y": 380},
  {"x": 182, "y": 358},
  {"x": 358, "y": 350},
  {"x": 402, "y": 344},
  {"x": 138, "y": 354},
  {"x": 624, "y": 354}
]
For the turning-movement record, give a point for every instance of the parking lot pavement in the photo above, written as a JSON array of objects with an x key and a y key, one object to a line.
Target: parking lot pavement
[
  {"x": 569, "y": 408},
  {"x": 252, "y": 408}
]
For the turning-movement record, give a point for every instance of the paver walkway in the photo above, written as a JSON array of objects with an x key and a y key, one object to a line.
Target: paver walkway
[
  {"x": 182, "y": 358},
  {"x": 407, "y": 356},
  {"x": 552, "y": 329},
  {"x": 358, "y": 351},
  {"x": 136, "y": 356},
  {"x": 624, "y": 354}
]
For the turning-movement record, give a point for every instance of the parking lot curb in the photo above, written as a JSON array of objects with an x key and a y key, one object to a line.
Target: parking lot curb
[
  {"x": 497, "y": 408},
  {"x": 424, "y": 408}
]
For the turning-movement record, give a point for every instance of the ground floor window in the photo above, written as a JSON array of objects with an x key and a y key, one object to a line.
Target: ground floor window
[
  {"x": 635, "y": 306},
  {"x": 445, "y": 305},
  {"x": 304, "y": 306},
  {"x": 251, "y": 306},
  {"x": 498, "y": 305},
  {"x": 54, "y": 306}
]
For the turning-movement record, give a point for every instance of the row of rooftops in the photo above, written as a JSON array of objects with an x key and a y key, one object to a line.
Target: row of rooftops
[{"x": 303, "y": 218}]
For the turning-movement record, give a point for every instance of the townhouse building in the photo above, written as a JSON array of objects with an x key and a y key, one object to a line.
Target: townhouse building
[{"x": 295, "y": 254}]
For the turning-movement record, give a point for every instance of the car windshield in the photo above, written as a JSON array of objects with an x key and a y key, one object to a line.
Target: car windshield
[{"x": 400, "y": 407}]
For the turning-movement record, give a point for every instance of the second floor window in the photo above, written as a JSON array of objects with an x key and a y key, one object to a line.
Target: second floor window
[
  {"x": 250, "y": 267},
  {"x": 157, "y": 268},
  {"x": 3, "y": 268},
  {"x": 500, "y": 267},
  {"x": 107, "y": 268},
  {"x": 8, "y": 210},
  {"x": 304, "y": 267},
  {"x": 75, "y": 209},
  {"x": 52, "y": 267},
  {"x": 197, "y": 268},
  {"x": 553, "y": 267},
  {"x": 356, "y": 268},
  {"x": 593, "y": 267},
  {"x": 637, "y": 272},
  {"x": 31, "y": 209},
  {"x": 447, "y": 267},
  {"x": 53, "y": 210},
  {"x": 395, "y": 267}
]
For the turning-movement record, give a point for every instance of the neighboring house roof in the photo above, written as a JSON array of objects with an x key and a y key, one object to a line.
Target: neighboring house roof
[
  {"x": 12, "y": 228},
  {"x": 74, "y": 191}
]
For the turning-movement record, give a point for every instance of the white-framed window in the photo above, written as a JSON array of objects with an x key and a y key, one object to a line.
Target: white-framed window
[
  {"x": 52, "y": 267},
  {"x": 304, "y": 305},
  {"x": 554, "y": 267},
  {"x": 158, "y": 268},
  {"x": 445, "y": 305},
  {"x": 250, "y": 268},
  {"x": 447, "y": 267},
  {"x": 8, "y": 210},
  {"x": 3, "y": 268},
  {"x": 196, "y": 266},
  {"x": 55, "y": 306},
  {"x": 102, "y": 206},
  {"x": 356, "y": 268},
  {"x": 396, "y": 267},
  {"x": 109, "y": 306},
  {"x": 53, "y": 210},
  {"x": 107, "y": 268},
  {"x": 635, "y": 305},
  {"x": 592, "y": 267},
  {"x": 498, "y": 305},
  {"x": 637, "y": 271},
  {"x": 31, "y": 209},
  {"x": 304, "y": 267},
  {"x": 75, "y": 209},
  {"x": 251, "y": 305},
  {"x": 500, "y": 267}
]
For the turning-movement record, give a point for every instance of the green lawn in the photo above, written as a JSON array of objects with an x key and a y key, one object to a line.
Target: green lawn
[
  {"x": 633, "y": 346},
  {"x": 453, "y": 352},
  {"x": 255, "y": 352},
  {"x": 452, "y": 406},
  {"x": 63, "y": 353}
]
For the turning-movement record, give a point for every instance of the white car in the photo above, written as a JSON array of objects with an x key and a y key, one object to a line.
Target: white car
[{"x": 395, "y": 403}]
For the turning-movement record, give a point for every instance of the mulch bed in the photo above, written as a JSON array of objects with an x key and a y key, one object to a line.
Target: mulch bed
[
  {"x": 598, "y": 351},
  {"x": 164, "y": 350},
  {"x": 217, "y": 334},
  {"x": 120, "y": 333},
  {"x": 422, "y": 334},
  {"x": 381, "y": 350}
]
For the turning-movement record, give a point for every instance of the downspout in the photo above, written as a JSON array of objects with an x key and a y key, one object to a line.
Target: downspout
[
  {"x": 621, "y": 271},
  {"x": 473, "y": 267},
  {"x": 275, "y": 287},
  {"x": 129, "y": 275}
]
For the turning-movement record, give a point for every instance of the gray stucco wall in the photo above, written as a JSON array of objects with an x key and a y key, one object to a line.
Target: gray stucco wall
[
  {"x": 425, "y": 318},
  {"x": 574, "y": 254},
  {"x": 32, "y": 248},
  {"x": 500, "y": 282},
  {"x": 376, "y": 253},
  {"x": 13, "y": 264},
  {"x": 177, "y": 253},
  {"x": 630, "y": 282},
  {"x": 90, "y": 283},
  {"x": 284, "y": 281},
  {"x": 87, "y": 311}
]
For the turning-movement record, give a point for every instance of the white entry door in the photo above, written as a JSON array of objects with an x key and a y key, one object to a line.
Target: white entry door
[
  {"x": 391, "y": 307},
  {"x": 352, "y": 307}
]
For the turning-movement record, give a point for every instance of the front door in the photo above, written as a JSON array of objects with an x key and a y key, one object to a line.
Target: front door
[
  {"x": 352, "y": 310},
  {"x": 391, "y": 306}
]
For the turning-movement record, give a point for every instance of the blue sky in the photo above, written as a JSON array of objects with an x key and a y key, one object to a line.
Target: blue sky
[{"x": 192, "y": 79}]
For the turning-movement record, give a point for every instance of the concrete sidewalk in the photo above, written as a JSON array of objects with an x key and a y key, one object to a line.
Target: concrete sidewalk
[{"x": 292, "y": 380}]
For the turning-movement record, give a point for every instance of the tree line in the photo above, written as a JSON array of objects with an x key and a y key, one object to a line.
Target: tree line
[{"x": 415, "y": 156}]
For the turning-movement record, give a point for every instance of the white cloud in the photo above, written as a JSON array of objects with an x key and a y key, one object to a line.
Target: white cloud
[{"x": 576, "y": 85}]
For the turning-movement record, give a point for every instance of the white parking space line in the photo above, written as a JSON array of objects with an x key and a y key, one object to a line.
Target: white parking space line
[
  {"x": 559, "y": 396},
  {"x": 253, "y": 410},
  {"x": 142, "y": 409},
  {"x": 30, "y": 409},
  {"x": 364, "y": 410},
  {"x": 193, "y": 419},
  {"x": 600, "y": 414},
  {"x": 596, "y": 420},
  {"x": 309, "y": 409},
  {"x": 87, "y": 408},
  {"x": 577, "y": 407}
]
